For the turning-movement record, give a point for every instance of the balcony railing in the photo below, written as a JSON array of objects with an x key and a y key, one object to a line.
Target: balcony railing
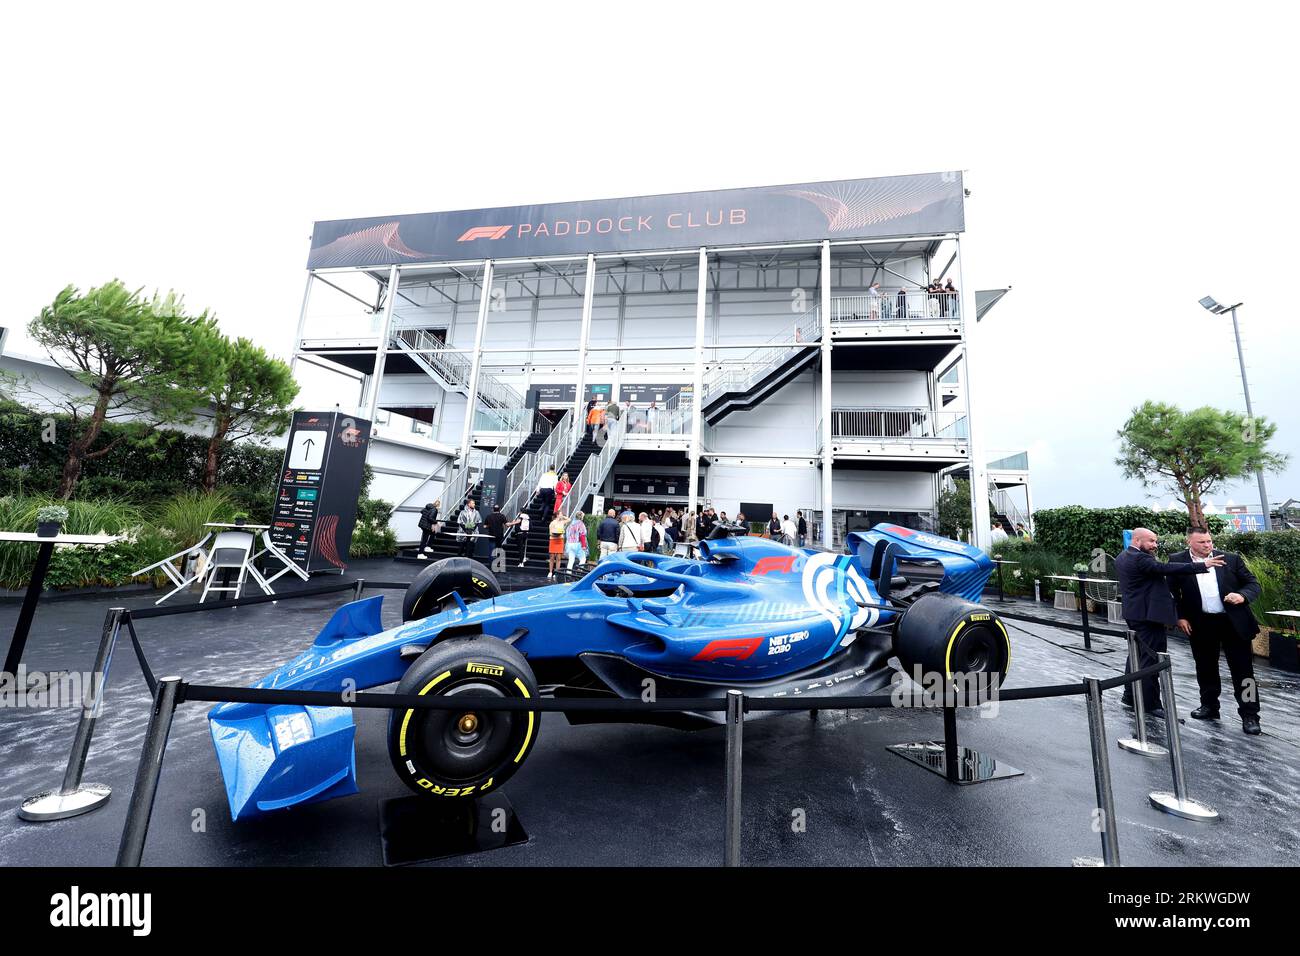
[
  {"x": 907, "y": 423},
  {"x": 894, "y": 305}
]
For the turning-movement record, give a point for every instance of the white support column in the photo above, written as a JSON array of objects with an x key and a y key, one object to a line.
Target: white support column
[
  {"x": 979, "y": 475},
  {"x": 579, "y": 403},
  {"x": 1029, "y": 507},
  {"x": 302, "y": 323},
  {"x": 381, "y": 353},
  {"x": 471, "y": 399},
  {"x": 697, "y": 396},
  {"x": 828, "y": 524}
]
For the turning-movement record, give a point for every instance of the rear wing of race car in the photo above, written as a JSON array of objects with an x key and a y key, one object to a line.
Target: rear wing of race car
[{"x": 878, "y": 552}]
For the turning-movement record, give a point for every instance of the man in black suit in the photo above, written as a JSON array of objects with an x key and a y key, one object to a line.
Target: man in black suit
[
  {"x": 1149, "y": 605},
  {"x": 1216, "y": 614}
]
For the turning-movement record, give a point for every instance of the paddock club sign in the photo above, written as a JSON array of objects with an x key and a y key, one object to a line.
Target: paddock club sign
[{"x": 885, "y": 207}]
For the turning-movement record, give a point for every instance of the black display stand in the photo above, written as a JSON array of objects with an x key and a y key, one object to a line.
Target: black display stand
[
  {"x": 959, "y": 765},
  {"x": 316, "y": 501},
  {"x": 418, "y": 829}
]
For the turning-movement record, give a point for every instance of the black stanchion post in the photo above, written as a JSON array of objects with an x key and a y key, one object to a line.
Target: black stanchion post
[
  {"x": 131, "y": 849},
  {"x": 735, "y": 740},
  {"x": 1083, "y": 610},
  {"x": 951, "y": 759},
  {"x": 1101, "y": 774},
  {"x": 357, "y": 588},
  {"x": 1178, "y": 803},
  {"x": 1001, "y": 596},
  {"x": 1140, "y": 745},
  {"x": 72, "y": 798}
]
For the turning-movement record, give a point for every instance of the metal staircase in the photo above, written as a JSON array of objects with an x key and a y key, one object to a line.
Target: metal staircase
[
  {"x": 1005, "y": 511},
  {"x": 746, "y": 383},
  {"x": 452, "y": 370}
]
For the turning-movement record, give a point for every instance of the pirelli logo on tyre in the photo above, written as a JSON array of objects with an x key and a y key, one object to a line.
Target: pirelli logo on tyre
[{"x": 491, "y": 670}]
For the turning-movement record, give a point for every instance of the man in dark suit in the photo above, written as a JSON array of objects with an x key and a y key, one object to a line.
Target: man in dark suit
[
  {"x": 1149, "y": 605},
  {"x": 1216, "y": 614}
]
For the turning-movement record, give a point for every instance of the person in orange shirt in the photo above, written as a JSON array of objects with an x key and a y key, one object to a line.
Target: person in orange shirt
[{"x": 595, "y": 419}]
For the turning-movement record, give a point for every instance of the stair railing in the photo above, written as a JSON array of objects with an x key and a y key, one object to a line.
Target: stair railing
[
  {"x": 743, "y": 375},
  {"x": 522, "y": 480}
]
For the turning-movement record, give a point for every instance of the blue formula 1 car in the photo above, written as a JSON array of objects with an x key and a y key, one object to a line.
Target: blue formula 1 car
[{"x": 748, "y": 613}]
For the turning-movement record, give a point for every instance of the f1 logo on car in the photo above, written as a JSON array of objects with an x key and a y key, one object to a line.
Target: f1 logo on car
[
  {"x": 484, "y": 232},
  {"x": 738, "y": 647},
  {"x": 781, "y": 564}
]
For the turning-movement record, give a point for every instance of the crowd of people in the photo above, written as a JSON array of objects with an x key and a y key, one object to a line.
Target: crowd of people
[{"x": 938, "y": 300}]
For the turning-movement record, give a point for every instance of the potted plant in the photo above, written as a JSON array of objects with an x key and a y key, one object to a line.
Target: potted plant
[
  {"x": 49, "y": 520},
  {"x": 241, "y": 518}
]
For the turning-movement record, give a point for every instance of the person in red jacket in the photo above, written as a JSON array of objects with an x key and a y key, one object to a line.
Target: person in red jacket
[{"x": 562, "y": 488}]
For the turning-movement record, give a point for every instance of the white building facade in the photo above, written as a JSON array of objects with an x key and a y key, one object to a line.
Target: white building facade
[{"x": 777, "y": 348}]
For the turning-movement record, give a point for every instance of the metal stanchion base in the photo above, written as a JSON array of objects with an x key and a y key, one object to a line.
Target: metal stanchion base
[
  {"x": 1087, "y": 861},
  {"x": 53, "y": 805},
  {"x": 1095, "y": 649},
  {"x": 1148, "y": 749},
  {"x": 418, "y": 829},
  {"x": 972, "y": 766},
  {"x": 1187, "y": 809}
]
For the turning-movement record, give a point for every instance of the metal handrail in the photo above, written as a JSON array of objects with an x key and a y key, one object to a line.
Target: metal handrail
[
  {"x": 523, "y": 478},
  {"x": 918, "y": 306},
  {"x": 452, "y": 367},
  {"x": 597, "y": 466},
  {"x": 742, "y": 375}
]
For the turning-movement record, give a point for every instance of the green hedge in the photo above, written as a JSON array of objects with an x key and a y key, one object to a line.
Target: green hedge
[
  {"x": 168, "y": 462},
  {"x": 1279, "y": 548},
  {"x": 1075, "y": 531},
  {"x": 1034, "y": 561}
]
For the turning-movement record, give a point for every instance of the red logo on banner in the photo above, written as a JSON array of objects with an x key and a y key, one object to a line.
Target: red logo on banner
[
  {"x": 484, "y": 232},
  {"x": 764, "y": 565},
  {"x": 738, "y": 647}
]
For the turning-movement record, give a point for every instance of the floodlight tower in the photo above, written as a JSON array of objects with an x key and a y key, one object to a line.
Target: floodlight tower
[{"x": 1218, "y": 309}]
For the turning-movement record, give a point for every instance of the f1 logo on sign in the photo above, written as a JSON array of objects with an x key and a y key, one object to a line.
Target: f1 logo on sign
[{"x": 484, "y": 232}]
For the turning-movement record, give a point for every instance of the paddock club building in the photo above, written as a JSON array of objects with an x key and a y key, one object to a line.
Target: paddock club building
[{"x": 754, "y": 366}]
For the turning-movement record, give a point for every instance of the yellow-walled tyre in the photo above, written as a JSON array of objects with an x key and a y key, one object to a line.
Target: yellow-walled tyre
[
  {"x": 463, "y": 752},
  {"x": 944, "y": 634},
  {"x": 467, "y": 577}
]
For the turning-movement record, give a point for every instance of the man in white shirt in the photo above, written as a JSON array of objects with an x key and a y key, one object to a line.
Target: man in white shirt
[
  {"x": 998, "y": 534},
  {"x": 1214, "y": 613},
  {"x": 789, "y": 530}
]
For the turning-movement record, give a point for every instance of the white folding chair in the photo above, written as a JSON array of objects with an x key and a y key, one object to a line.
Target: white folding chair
[
  {"x": 232, "y": 549},
  {"x": 271, "y": 548},
  {"x": 174, "y": 575}
]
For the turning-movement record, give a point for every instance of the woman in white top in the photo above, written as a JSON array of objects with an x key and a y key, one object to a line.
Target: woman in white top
[{"x": 629, "y": 533}]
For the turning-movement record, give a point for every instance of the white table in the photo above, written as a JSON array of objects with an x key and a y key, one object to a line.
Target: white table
[{"x": 23, "y": 627}]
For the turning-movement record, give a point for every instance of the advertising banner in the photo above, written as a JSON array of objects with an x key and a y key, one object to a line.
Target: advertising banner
[
  {"x": 316, "y": 502},
  {"x": 884, "y": 207}
]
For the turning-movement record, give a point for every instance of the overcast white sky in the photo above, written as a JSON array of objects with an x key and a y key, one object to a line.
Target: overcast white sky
[{"x": 1125, "y": 160}]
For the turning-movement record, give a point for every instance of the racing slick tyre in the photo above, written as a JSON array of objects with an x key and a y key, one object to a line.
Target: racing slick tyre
[
  {"x": 945, "y": 634},
  {"x": 463, "y": 752},
  {"x": 471, "y": 580}
]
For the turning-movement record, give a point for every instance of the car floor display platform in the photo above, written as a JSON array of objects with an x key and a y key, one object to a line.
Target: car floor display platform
[{"x": 816, "y": 792}]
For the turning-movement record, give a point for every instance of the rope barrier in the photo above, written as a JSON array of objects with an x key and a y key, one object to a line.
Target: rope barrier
[{"x": 147, "y": 612}]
